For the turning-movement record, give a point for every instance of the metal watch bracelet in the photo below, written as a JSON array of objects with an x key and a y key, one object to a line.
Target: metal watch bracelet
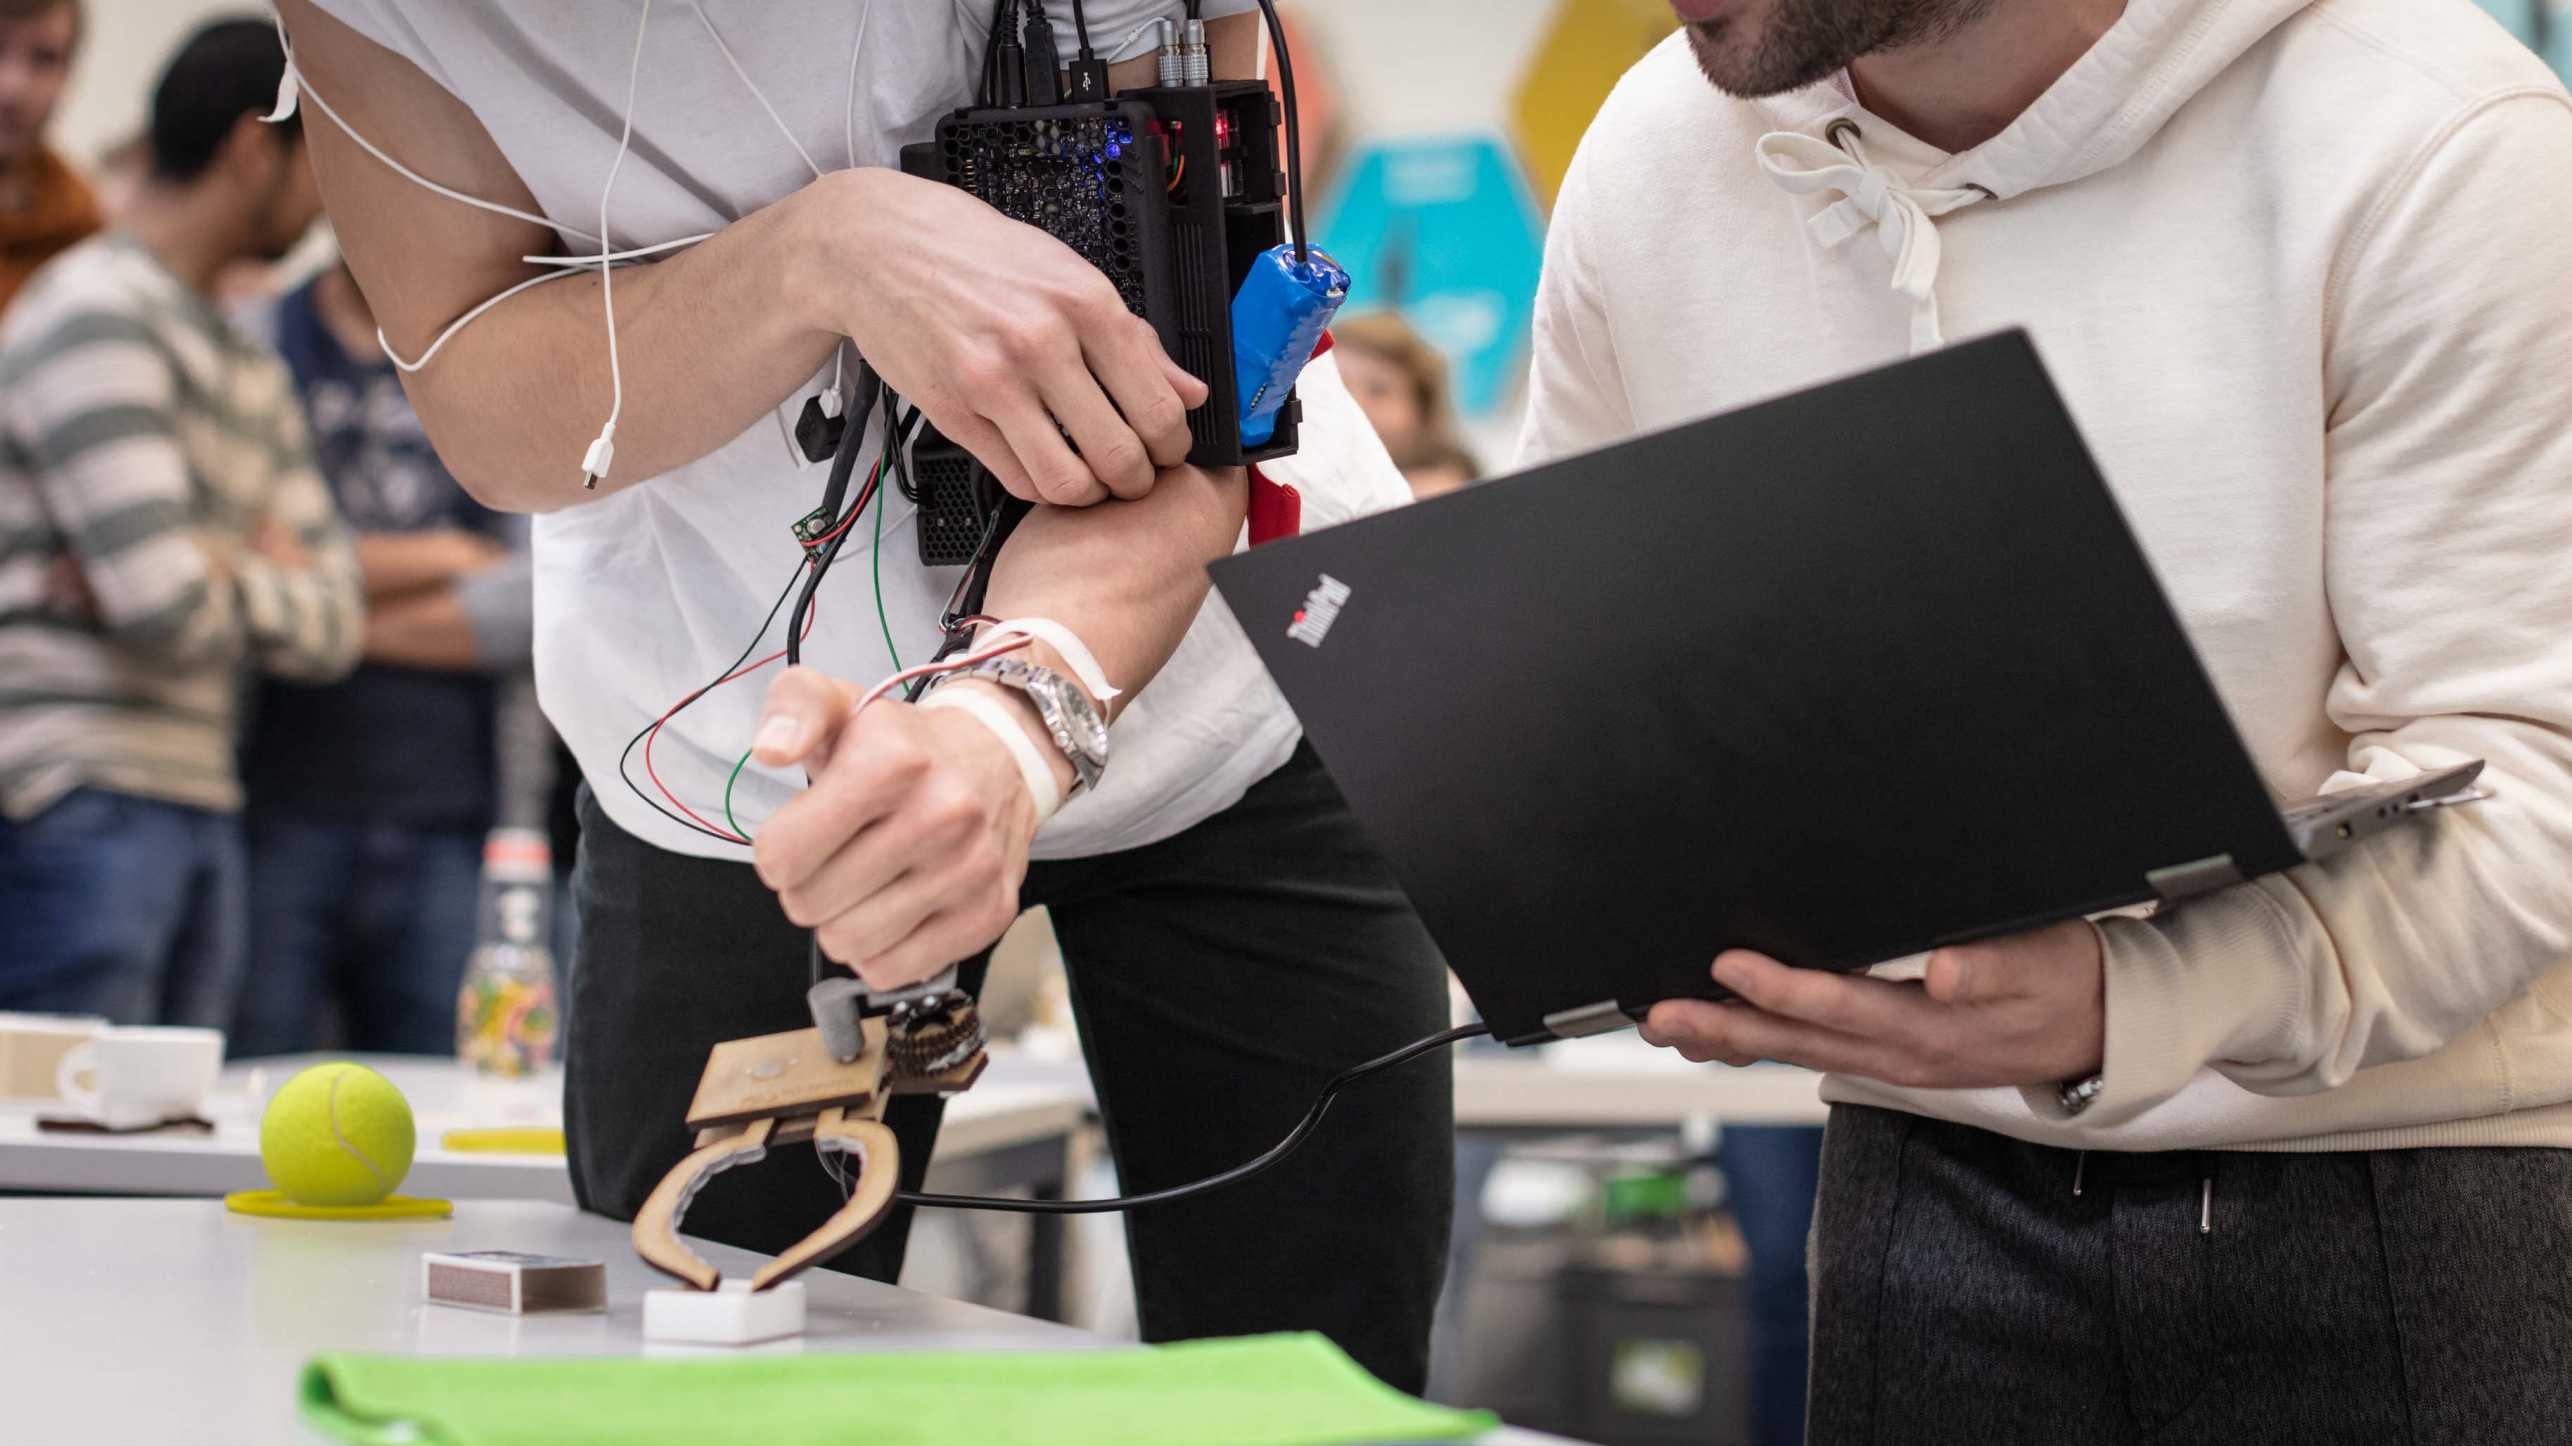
[
  {"x": 2078, "y": 1095},
  {"x": 1070, "y": 718}
]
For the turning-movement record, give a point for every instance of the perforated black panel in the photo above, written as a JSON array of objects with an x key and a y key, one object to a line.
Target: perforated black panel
[
  {"x": 1074, "y": 173},
  {"x": 952, "y": 511}
]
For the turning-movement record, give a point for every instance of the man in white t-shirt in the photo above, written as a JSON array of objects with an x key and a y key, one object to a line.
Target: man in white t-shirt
[
  {"x": 1232, "y": 940},
  {"x": 2292, "y": 1162}
]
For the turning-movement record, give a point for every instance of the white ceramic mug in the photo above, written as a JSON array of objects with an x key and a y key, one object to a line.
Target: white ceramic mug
[
  {"x": 31, "y": 1045},
  {"x": 141, "y": 1076}
]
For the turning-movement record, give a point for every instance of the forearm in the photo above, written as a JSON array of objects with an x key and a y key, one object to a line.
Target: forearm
[
  {"x": 395, "y": 563},
  {"x": 500, "y": 604},
  {"x": 429, "y": 631},
  {"x": 1126, "y": 577}
]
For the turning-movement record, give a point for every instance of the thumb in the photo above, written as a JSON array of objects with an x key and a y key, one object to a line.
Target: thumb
[
  {"x": 1963, "y": 974},
  {"x": 805, "y": 710},
  {"x": 1191, "y": 391}
]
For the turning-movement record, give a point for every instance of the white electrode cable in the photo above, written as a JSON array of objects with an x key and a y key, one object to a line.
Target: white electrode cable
[
  {"x": 631, "y": 253},
  {"x": 602, "y": 453},
  {"x": 835, "y": 400},
  {"x": 294, "y": 82},
  {"x": 755, "y": 92},
  {"x": 292, "y": 86},
  {"x": 461, "y": 322}
]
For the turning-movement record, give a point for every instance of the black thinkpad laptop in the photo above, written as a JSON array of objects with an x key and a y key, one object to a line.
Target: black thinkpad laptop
[{"x": 1840, "y": 677}]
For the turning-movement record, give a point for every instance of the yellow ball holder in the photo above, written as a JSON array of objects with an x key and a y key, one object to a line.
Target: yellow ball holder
[{"x": 273, "y": 1204}]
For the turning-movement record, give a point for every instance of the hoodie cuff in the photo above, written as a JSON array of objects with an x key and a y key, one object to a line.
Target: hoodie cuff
[{"x": 2215, "y": 980}]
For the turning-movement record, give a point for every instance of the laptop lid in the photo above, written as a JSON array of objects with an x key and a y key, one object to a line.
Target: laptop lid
[{"x": 1838, "y": 677}]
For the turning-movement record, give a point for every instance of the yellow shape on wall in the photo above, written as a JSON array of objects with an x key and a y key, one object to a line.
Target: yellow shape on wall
[{"x": 1587, "y": 47}]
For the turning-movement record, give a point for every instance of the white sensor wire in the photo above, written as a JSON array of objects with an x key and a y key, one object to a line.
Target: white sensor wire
[
  {"x": 461, "y": 322},
  {"x": 602, "y": 453},
  {"x": 755, "y": 92},
  {"x": 635, "y": 253},
  {"x": 304, "y": 85}
]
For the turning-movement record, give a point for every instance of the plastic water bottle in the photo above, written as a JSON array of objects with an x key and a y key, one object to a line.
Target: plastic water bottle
[{"x": 505, "y": 1018}]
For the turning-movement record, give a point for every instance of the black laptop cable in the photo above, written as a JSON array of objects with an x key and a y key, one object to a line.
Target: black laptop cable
[{"x": 1234, "y": 1176}]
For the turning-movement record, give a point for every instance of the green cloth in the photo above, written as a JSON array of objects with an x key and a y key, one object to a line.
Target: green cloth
[{"x": 1280, "y": 1390}]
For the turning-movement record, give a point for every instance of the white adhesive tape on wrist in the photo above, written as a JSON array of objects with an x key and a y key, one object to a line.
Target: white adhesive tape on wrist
[
  {"x": 1075, "y": 653},
  {"x": 1003, "y": 722}
]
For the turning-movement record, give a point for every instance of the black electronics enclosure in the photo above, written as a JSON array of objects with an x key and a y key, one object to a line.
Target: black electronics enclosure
[{"x": 1171, "y": 192}]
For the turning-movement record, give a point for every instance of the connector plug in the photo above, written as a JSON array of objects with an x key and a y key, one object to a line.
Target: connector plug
[
  {"x": 1196, "y": 62},
  {"x": 1044, "y": 63},
  {"x": 1089, "y": 80},
  {"x": 601, "y": 456}
]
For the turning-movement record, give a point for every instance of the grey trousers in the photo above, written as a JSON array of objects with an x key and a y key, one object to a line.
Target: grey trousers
[{"x": 1966, "y": 1292}]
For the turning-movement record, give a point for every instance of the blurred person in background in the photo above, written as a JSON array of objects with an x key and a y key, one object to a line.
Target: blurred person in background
[
  {"x": 369, "y": 797},
  {"x": 161, "y": 530},
  {"x": 1437, "y": 466},
  {"x": 1399, "y": 380},
  {"x": 44, "y": 208}
]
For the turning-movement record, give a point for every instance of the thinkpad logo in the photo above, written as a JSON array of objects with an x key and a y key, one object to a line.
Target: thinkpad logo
[{"x": 1321, "y": 609}]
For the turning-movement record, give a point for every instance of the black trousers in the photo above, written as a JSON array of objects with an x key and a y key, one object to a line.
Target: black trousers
[
  {"x": 1964, "y": 1293},
  {"x": 1220, "y": 977}
]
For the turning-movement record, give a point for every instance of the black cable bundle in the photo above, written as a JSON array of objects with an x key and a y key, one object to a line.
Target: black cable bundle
[{"x": 1266, "y": 1158}]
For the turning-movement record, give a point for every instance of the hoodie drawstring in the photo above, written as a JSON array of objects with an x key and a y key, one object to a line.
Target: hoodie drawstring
[{"x": 1903, "y": 217}]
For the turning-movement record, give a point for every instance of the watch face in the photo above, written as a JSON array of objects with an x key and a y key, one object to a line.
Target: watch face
[{"x": 1088, "y": 731}]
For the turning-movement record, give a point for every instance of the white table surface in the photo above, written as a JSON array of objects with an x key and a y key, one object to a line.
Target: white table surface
[
  {"x": 993, "y": 1116},
  {"x": 1601, "y": 1082},
  {"x": 1618, "y": 1081},
  {"x": 174, "y": 1320}
]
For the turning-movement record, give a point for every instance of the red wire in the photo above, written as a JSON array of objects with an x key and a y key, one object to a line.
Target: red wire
[
  {"x": 854, "y": 513},
  {"x": 653, "y": 734},
  {"x": 964, "y": 660}
]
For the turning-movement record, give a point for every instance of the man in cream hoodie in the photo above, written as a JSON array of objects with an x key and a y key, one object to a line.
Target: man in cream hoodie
[{"x": 2288, "y": 1164}]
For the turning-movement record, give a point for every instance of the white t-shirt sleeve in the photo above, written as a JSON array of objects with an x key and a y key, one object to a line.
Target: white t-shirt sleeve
[{"x": 2447, "y": 540}]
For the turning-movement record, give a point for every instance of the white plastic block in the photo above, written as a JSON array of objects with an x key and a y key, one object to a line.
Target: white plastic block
[{"x": 731, "y": 1315}]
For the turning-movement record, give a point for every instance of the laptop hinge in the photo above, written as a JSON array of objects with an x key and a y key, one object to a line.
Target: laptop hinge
[
  {"x": 2203, "y": 876},
  {"x": 1596, "y": 1018}
]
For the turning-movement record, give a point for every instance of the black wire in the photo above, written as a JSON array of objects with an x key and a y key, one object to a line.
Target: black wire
[
  {"x": 623, "y": 759},
  {"x": 1233, "y": 1176},
  {"x": 1294, "y": 126},
  {"x": 852, "y": 441},
  {"x": 1081, "y": 26},
  {"x": 991, "y": 53}
]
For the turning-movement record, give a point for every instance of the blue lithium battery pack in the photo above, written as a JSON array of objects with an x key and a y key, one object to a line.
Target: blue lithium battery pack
[{"x": 1278, "y": 318}]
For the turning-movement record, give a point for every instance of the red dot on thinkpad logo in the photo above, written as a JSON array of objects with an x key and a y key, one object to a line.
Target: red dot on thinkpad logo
[{"x": 1299, "y": 615}]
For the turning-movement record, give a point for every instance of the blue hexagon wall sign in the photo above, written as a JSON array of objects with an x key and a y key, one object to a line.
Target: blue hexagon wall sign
[{"x": 1444, "y": 230}]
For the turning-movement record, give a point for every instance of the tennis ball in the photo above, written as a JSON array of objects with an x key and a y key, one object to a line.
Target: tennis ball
[{"x": 337, "y": 1134}]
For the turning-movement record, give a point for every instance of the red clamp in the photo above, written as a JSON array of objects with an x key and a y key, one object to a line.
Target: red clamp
[{"x": 1276, "y": 510}]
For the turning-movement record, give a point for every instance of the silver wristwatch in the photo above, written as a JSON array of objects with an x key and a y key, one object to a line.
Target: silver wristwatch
[
  {"x": 1069, "y": 714},
  {"x": 2078, "y": 1095}
]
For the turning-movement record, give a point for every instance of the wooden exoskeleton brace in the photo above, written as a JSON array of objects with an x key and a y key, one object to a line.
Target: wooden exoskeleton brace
[{"x": 784, "y": 1089}]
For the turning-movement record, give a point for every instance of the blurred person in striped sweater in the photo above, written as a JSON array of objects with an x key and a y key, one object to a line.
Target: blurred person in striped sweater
[{"x": 163, "y": 532}]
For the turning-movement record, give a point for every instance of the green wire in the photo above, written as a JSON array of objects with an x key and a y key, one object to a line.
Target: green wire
[
  {"x": 884, "y": 471},
  {"x": 727, "y": 793}
]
